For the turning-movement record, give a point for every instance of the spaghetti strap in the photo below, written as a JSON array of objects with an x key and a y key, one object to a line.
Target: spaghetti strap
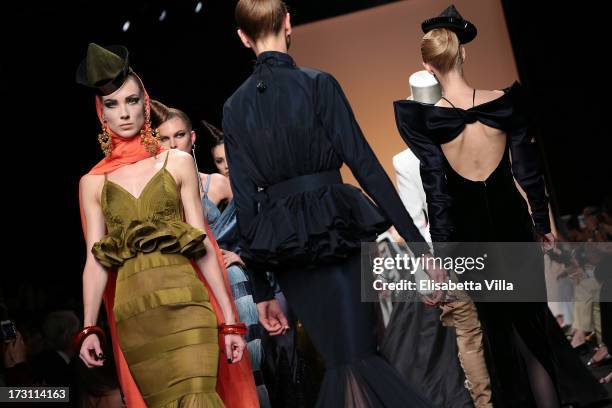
[
  {"x": 166, "y": 161},
  {"x": 207, "y": 185},
  {"x": 473, "y": 99},
  {"x": 451, "y": 104}
]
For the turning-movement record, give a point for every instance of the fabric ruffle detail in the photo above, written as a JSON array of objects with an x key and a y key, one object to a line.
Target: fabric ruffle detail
[
  {"x": 319, "y": 225},
  {"x": 170, "y": 237}
]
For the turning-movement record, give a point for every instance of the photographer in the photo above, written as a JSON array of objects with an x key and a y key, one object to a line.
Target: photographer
[
  {"x": 53, "y": 366},
  {"x": 16, "y": 370}
]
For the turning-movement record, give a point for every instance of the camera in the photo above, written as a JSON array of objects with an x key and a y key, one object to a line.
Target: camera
[{"x": 8, "y": 330}]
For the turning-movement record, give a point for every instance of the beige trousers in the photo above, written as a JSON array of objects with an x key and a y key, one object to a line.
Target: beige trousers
[
  {"x": 462, "y": 315},
  {"x": 586, "y": 307}
]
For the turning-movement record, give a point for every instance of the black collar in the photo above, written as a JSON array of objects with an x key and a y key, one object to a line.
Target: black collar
[{"x": 275, "y": 58}]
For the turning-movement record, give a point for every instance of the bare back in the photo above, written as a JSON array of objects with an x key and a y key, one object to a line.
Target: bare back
[{"x": 479, "y": 148}]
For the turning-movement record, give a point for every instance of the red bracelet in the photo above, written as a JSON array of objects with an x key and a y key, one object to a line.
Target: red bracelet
[
  {"x": 87, "y": 331},
  {"x": 237, "y": 328}
]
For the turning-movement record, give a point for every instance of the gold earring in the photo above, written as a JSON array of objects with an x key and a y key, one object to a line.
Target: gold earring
[
  {"x": 105, "y": 140},
  {"x": 149, "y": 137}
]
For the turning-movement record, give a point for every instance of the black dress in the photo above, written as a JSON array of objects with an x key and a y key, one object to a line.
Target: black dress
[
  {"x": 287, "y": 132},
  {"x": 425, "y": 352},
  {"x": 462, "y": 210}
]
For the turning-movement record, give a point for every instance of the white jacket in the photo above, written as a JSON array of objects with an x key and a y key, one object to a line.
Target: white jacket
[{"x": 411, "y": 191}]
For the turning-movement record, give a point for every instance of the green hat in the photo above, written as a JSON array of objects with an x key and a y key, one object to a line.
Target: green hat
[{"x": 104, "y": 69}]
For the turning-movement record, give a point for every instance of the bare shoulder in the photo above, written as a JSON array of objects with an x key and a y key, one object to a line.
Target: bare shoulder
[
  {"x": 219, "y": 180},
  {"x": 179, "y": 164},
  {"x": 91, "y": 182},
  {"x": 179, "y": 160},
  {"x": 442, "y": 103},
  {"x": 220, "y": 186},
  {"x": 484, "y": 96},
  {"x": 178, "y": 155},
  {"x": 90, "y": 188},
  {"x": 203, "y": 177}
]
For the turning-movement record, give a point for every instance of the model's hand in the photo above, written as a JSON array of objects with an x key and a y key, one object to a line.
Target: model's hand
[
  {"x": 230, "y": 258},
  {"x": 576, "y": 275},
  {"x": 234, "y": 347},
  {"x": 272, "y": 318},
  {"x": 91, "y": 352},
  {"x": 437, "y": 275},
  {"x": 548, "y": 241},
  {"x": 575, "y": 272}
]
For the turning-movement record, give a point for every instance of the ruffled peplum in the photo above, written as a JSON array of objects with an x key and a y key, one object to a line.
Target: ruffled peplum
[
  {"x": 325, "y": 224},
  {"x": 169, "y": 237}
]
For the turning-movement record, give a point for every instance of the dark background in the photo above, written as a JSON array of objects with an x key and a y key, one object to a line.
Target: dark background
[{"x": 194, "y": 61}]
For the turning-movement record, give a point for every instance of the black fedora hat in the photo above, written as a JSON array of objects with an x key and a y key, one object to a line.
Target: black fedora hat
[
  {"x": 451, "y": 19},
  {"x": 104, "y": 69}
]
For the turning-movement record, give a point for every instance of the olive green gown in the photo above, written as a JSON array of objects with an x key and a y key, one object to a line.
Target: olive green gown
[{"x": 166, "y": 326}]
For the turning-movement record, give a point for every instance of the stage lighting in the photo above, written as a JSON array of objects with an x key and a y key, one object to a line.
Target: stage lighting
[
  {"x": 162, "y": 16},
  {"x": 126, "y": 26},
  {"x": 198, "y": 7}
]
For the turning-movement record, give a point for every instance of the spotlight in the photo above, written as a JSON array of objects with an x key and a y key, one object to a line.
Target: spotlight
[
  {"x": 126, "y": 26},
  {"x": 198, "y": 7},
  {"x": 162, "y": 16}
]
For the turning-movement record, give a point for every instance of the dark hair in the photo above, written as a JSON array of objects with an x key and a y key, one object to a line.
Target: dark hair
[
  {"x": 257, "y": 18},
  {"x": 214, "y": 133},
  {"x": 161, "y": 113},
  {"x": 135, "y": 78}
]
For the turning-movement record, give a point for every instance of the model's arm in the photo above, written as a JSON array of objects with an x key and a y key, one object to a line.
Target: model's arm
[
  {"x": 349, "y": 143},
  {"x": 528, "y": 174},
  {"x": 208, "y": 264},
  {"x": 244, "y": 190},
  {"x": 219, "y": 189},
  {"x": 410, "y": 191},
  {"x": 433, "y": 178},
  {"x": 94, "y": 274},
  {"x": 526, "y": 165},
  {"x": 431, "y": 168},
  {"x": 182, "y": 164},
  {"x": 551, "y": 218}
]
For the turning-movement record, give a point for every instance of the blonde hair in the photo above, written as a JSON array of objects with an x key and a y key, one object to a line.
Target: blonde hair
[
  {"x": 441, "y": 49},
  {"x": 161, "y": 113},
  {"x": 257, "y": 18}
]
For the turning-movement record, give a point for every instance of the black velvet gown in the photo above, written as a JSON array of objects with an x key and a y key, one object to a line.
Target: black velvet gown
[
  {"x": 462, "y": 210},
  {"x": 287, "y": 132}
]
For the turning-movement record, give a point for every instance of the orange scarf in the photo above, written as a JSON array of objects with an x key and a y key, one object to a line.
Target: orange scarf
[
  {"x": 235, "y": 382},
  {"x": 125, "y": 151}
]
